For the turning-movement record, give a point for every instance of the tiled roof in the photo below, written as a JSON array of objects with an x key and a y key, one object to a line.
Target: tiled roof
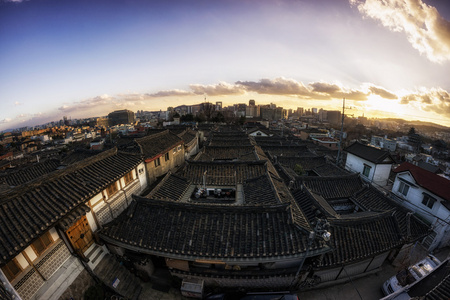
[
  {"x": 369, "y": 153},
  {"x": 362, "y": 238},
  {"x": 332, "y": 187},
  {"x": 241, "y": 141},
  {"x": 242, "y": 153},
  {"x": 436, "y": 184},
  {"x": 294, "y": 150},
  {"x": 222, "y": 173},
  {"x": 363, "y": 234},
  {"x": 31, "y": 172},
  {"x": 172, "y": 187},
  {"x": 77, "y": 155},
  {"x": 329, "y": 169},
  {"x": 28, "y": 211},
  {"x": 227, "y": 232},
  {"x": 260, "y": 191},
  {"x": 187, "y": 135},
  {"x": 308, "y": 163},
  {"x": 158, "y": 143}
]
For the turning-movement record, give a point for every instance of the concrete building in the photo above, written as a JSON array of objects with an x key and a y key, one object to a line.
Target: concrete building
[{"x": 121, "y": 117}]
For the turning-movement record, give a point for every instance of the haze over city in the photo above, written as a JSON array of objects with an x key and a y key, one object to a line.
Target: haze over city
[{"x": 88, "y": 58}]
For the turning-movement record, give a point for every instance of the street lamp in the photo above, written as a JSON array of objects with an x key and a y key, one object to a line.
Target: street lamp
[{"x": 321, "y": 229}]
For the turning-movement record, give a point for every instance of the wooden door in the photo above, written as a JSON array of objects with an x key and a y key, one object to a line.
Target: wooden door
[{"x": 80, "y": 235}]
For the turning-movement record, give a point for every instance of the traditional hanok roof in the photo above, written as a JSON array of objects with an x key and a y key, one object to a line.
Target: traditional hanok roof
[
  {"x": 172, "y": 187},
  {"x": 241, "y": 141},
  {"x": 332, "y": 187},
  {"x": 436, "y": 184},
  {"x": 358, "y": 239},
  {"x": 372, "y": 154},
  {"x": 260, "y": 191},
  {"x": 381, "y": 227},
  {"x": 26, "y": 212},
  {"x": 159, "y": 143},
  {"x": 308, "y": 163},
  {"x": 330, "y": 170},
  {"x": 29, "y": 173},
  {"x": 187, "y": 136},
  {"x": 77, "y": 155},
  {"x": 226, "y": 233},
  {"x": 213, "y": 153},
  {"x": 294, "y": 150},
  {"x": 222, "y": 173}
]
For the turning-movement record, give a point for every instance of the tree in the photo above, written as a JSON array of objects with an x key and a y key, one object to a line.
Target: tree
[{"x": 298, "y": 169}]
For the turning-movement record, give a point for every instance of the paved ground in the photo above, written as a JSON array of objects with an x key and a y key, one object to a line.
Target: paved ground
[{"x": 367, "y": 288}]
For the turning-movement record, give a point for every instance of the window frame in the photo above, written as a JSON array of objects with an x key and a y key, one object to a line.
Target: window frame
[
  {"x": 46, "y": 246},
  {"x": 128, "y": 177},
  {"x": 366, "y": 168},
  {"x": 6, "y": 269},
  {"x": 157, "y": 162},
  {"x": 427, "y": 200},
  {"x": 179, "y": 148},
  {"x": 401, "y": 188},
  {"x": 166, "y": 156},
  {"x": 109, "y": 192}
]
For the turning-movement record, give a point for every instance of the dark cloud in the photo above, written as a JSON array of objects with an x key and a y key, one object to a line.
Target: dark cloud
[
  {"x": 221, "y": 89},
  {"x": 323, "y": 87},
  {"x": 277, "y": 86},
  {"x": 435, "y": 100},
  {"x": 171, "y": 93},
  {"x": 382, "y": 93}
]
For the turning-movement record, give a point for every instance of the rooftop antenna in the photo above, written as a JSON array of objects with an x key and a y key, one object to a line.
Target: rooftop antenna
[{"x": 338, "y": 159}]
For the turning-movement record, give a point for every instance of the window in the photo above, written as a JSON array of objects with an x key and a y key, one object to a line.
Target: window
[
  {"x": 174, "y": 150},
  {"x": 157, "y": 162},
  {"x": 428, "y": 201},
  {"x": 111, "y": 189},
  {"x": 366, "y": 170},
  {"x": 128, "y": 177},
  {"x": 42, "y": 243},
  {"x": 179, "y": 148},
  {"x": 167, "y": 156},
  {"x": 403, "y": 188},
  {"x": 12, "y": 269}
]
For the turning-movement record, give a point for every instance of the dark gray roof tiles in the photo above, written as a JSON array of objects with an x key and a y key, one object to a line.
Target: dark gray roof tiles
[
  {"x": 228, "y": 233},
  {"x": 172, "y": 187},
  {"x": 28, "y": 211},
  {"x": 308, "y": 163},
  {"x": 369, "y": 153},
  {"x": 222, "y": 173},
  {"x": 31, "y": 172},
  {"x": 332, "y": 187},
  {"x": 213, "y": 153},
  {"x": 158, "y": 143},
  {"x": 260, "y": 191}
]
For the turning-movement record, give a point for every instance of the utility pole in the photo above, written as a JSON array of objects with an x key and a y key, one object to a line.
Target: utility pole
[
  {"x": 338, "y": 159},
  {"x": 321, "y": 228}
]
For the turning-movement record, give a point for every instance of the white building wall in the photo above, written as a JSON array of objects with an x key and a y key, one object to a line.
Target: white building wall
[
  {"x": 381, "y": 174},
  {"x": 142, "y": 175},
  {"x": 413, "y": 201}
]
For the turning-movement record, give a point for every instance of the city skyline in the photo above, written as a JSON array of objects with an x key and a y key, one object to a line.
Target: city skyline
[{"x": 85, "y": 59}]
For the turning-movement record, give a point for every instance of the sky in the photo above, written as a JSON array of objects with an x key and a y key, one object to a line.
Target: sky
[{"x": 84, "y": 58}]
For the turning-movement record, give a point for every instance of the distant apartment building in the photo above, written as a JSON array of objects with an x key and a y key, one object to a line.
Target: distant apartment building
[
  {"x": 384, "y": 143},
  {"x": 118, "y": 117}
]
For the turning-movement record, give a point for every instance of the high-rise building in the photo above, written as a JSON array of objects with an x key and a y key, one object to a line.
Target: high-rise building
[
  {"x": 251, "y": 102},
  {"x": 123, "y": 116},
  {"x": 334, "y": 116}
]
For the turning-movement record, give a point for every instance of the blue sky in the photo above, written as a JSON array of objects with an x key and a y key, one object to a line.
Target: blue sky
[{"x": 88, "y": 58}]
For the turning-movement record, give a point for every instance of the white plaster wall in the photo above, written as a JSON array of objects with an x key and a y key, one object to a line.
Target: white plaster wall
[
  {"x": 54, "y": 234},
  {"x": 91, "y": 221},
  {"x": 30, "y": 253},
  {"x": 22, "y": 261},
  {"x": 380, "y": 174},
  {"x": 142, "y": 175}
]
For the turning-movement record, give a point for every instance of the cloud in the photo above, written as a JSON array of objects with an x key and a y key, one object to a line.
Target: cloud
[
  {"x": 425, "y": 28},
  {"x": 17, "y": 103},
  {"x": 87, "y": 104},
  {"x": 435, "y": 100},
  {"x": 220, "y": 89},
  {"x": 382, "y": 93},
  {"x": 171, "y": 93},
  {"x": 277, "y": 86},
  {"x": 4, "y": 121}
]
